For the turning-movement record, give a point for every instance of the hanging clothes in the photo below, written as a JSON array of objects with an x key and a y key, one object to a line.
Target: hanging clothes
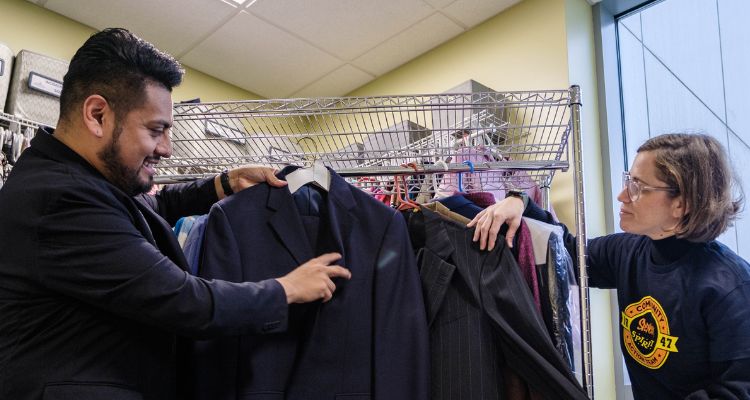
[
  {"x": 461, "y": 205},
  {"x": 192, "y": 246},
  {"x": 557, "y": 289},
  {"x": 481, "y": 318},
  {"x": 524, "y": 254},
  {"x": 369, "y": 341},
  {"x": 482, "y": 199}
]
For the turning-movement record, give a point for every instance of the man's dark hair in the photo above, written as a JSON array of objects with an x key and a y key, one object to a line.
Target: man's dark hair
[{"x": 116, "y": 65}]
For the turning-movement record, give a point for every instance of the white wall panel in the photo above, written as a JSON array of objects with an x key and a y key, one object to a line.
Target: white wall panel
[
  {"x": 673, "y": 108},
  {"x": 735, "y": 49},
  {"x": 684, "y": 34},
  {"x": 634, "y": 100}
]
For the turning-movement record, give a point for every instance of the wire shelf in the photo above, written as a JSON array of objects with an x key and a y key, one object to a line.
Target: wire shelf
[
  {"x": 378, "y": 136},
  {"x": 8, "y": 121},
  {"x": 15, "y": 135}
]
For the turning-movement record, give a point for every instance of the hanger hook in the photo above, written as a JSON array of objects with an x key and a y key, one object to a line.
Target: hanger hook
[
  {"x": 470, "y": 164},
  {"x": 310, "y": 150},
  {"x": 460, "y": 175}
]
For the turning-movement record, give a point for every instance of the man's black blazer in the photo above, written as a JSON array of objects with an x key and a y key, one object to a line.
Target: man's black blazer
[
  {"x": 482, "y": 318},
  {"x": 93, "y": 288},
  {"x": 369, "y": 341}
]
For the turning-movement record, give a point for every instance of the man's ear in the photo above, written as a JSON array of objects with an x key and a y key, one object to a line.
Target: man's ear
[{"x": 95, "y": 107}]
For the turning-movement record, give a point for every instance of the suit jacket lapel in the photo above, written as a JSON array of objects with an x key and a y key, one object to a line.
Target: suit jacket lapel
[
  {"x": 436, "y": 275},
  {"x": 456, "y": 243},
  {"x": 287, "y": 224},
  {"x": 435, "y": 260},
  {"x": 340, "y": 206}
]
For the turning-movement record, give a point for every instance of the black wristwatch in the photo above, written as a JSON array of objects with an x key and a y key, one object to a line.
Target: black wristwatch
[
  {"x": 520, "y": 194},
  {"x": 224, "y": 179}
]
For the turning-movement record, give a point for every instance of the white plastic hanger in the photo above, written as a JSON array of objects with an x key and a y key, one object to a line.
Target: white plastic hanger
[{"x": 317, "y": 174}]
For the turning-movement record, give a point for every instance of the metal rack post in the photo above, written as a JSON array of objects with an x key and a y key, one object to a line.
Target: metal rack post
[{"x": 575, "y": 119}]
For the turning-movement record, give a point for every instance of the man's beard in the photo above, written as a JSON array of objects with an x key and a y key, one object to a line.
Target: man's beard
[{"x": 121, "y": 175}]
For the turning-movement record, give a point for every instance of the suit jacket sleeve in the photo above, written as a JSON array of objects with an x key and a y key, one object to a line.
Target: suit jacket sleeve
[
  {"x": 176, "y": 201},
  {"x": 401, "y": 341},
  {"x": 89, "y": 248}
]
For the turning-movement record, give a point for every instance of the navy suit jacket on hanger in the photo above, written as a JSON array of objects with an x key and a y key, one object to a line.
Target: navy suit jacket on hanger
[{"x": 369, "y": 341}]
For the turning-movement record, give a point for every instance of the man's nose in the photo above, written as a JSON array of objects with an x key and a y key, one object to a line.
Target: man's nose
[{"x": 164, "y": 148}]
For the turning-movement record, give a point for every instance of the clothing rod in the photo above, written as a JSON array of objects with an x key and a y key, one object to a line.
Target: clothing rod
[{"x": 398, "y": 170}]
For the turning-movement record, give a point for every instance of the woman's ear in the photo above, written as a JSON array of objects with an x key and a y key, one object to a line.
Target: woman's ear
[
  {"x": 94, "y": 109},
  {"x": 680, "y": 208}
]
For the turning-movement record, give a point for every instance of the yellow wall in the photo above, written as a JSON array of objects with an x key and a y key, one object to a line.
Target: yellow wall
[
  {"x": 522, "y": 48},
  {"x": 24, "y": 25}
]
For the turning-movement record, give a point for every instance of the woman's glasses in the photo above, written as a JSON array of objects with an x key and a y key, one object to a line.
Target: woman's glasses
[{"x": 635, "y": 188}]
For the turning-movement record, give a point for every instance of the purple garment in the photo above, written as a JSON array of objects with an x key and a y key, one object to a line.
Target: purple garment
[
  {"x": 482, "y": 199},
  {"x": 527, "y": 262}
]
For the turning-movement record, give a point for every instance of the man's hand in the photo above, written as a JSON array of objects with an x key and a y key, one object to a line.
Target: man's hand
[
  {"x": 312, "y": 280},
  {"x": 489, "y": 221},
  {"x": 243, "y": 177}
]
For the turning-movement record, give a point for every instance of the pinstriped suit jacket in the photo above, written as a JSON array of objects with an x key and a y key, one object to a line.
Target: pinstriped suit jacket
[{"x": 482, "y": 318}]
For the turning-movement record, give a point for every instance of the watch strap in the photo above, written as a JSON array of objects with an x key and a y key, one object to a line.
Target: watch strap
[
  {"x": 521, "y": 195},
  {"x": 224, "y": 179}
]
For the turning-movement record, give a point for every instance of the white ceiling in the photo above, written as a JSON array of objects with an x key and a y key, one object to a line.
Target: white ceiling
[{"x": 288, "y": 48}]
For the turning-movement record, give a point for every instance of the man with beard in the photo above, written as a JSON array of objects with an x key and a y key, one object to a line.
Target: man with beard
[{"x": 93, "y": 285}]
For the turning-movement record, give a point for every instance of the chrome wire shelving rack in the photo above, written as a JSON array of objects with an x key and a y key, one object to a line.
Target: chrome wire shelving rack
[
  {"x": 381, "y": 137},
  {"x": 491, "y": 140}
]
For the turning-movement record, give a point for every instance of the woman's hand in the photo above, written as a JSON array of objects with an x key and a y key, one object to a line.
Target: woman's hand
[{"x": 489, "y": 221}]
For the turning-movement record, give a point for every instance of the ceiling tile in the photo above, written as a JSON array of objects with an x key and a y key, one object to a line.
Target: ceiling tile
[
  {"x": 153, "y": 21},
  {"x": 420, "y": 38},
  {"x": 338, "y": 83},
  {"x": 473, "y": 12},
  {"x": 243, "y": 53},
  {"x": 345, "y": 29},
  {"x": 438, "y": 4}
]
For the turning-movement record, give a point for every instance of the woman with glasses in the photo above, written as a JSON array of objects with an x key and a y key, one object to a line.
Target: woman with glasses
[{"x": 684, "y": 298}]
